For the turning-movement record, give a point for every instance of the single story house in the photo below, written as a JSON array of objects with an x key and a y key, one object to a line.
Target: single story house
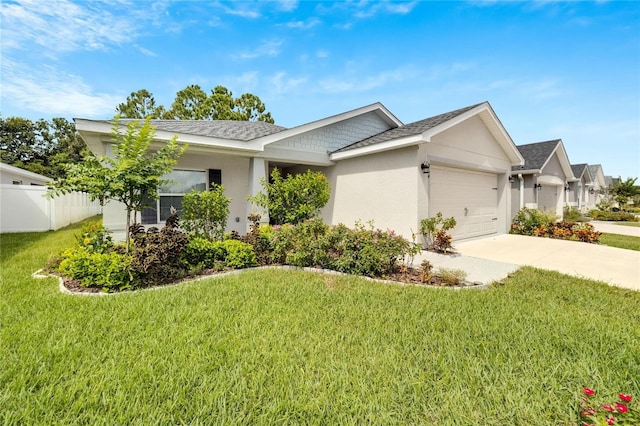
[
  {"x": 542, "y": 182},
  {"x": 379, "y": 168},
  {"x": 579, "y": 189},
  {"x": 10, "y": 175},
  {"x": 599, "y": 188}
]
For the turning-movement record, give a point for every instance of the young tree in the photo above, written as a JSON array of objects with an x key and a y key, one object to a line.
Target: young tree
[
  {"x": 294, "y": 198},
  {"x": 140, "y": 104},
  {"x": 132, "y": 176},
  {"x": 623, "y": 191}
]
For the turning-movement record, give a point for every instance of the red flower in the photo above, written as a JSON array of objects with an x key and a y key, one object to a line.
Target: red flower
[
  {"x": 608, "y": 407},
  {"x": 621, "y": 408},
  {"x": 588, "y": 391},
  {"x": 611, "y": 420},
  {"x": 625, "y": 397}
]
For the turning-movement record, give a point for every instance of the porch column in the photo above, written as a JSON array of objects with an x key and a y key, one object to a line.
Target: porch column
[{"x": 257, "y": 172}]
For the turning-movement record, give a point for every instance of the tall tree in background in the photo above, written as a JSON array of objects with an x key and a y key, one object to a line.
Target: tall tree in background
[
  {"x": 40, "y": 146},
  {"x": 193, "y": 103},
  {"x": 140, "y": 104}
]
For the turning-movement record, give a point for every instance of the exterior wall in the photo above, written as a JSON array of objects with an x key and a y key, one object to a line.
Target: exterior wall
[
  {"x": 470, "y": 145},
  {"x": 335, "y": 136},
  {"x": 7, "y": 177},
  {"x": 25, "y": 208},
  {"x": 382, "y": 187},
  {"x": 235, "y": 179}
]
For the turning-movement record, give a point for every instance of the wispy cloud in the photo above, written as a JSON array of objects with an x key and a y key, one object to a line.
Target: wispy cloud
[
  {"x": 63, "y": 26},
  {"x": 353, "y": 83},
  {"x": 267, "y": 48},
  {"x": 322, "y": 54},
  {"x": 287, "y": 5},
  {"x": 248, "y": 10},
  {"x": 366, "y": 9},
  {"x": 281, "y": 83},
  {"x": 303, "y": 25},
  {"x": 52, "y": 92}
]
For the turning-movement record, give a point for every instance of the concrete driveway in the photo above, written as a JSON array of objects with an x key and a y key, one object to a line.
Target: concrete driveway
[{"x": 614, "y": 266}]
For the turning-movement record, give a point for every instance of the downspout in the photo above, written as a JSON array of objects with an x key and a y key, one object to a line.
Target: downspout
[{"x": 521, "y": 190}]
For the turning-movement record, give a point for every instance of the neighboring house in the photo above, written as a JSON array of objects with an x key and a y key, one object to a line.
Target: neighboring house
[
  {"x": 579, "y": 195},
  {"x": 380, "y": 169},
  {"x": 599, "y": 189},
  {"x": 24, "y": 206},
  {"x": 542, "y": 182},
  {"x": 10, "y": 175}
]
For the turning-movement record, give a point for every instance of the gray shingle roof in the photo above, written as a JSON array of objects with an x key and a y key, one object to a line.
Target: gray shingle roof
[
  {"x": 578, "y": 169},
  {"x": 593, "y": 169},
  {"x": 535, "y": 154},
  {"x": 409, "y": 129},
  {"x": 224, "y": 129}
]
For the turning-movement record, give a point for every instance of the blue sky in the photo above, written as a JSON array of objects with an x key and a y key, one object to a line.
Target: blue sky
[{"x": 568, "y": 70}]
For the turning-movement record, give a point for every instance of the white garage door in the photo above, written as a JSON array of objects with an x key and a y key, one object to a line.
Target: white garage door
[
  {"x": 471, "y": 197},
  {"x": 548, "y": 198}
]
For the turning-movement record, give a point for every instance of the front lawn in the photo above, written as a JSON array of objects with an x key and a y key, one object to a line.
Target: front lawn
[
  {"x": 276, "y": 346},
  {"x": 628, "y": 242}
]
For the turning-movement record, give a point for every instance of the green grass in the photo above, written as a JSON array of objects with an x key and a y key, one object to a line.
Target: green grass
[
  {"x": 274, "y": 347},
  {"x": 628, "y": 242}
]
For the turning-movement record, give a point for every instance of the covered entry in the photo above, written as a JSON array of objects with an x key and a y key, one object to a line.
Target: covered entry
[{"x": 469, "y": 196}]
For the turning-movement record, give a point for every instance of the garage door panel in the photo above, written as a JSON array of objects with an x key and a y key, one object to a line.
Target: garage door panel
[{"x": 469, "y": 196}]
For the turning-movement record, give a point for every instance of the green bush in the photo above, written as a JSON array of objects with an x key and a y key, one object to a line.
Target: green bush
[
  {"x": 239, "y": 254},
  {"x": 205, "y": 213},
  {"x": 110, "y": 271},
  {"x": 157, "y": 255},
  {"x": 612, "y": 216},
  {"x": 295, "y": 198},
  {"x": 434, "y": 230},
  {"x": 362, "y": 250},
  {"x": 95, "y": 237},
  {"x": 572, "y": 214},
  {"x": 565, "y": 230},
  {"x": 258, "y": 237},
  {"x": 527, "y": 221},
  {"x": 204, "y": 254}
]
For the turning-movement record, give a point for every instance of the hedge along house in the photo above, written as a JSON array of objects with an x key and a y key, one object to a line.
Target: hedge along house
[
  {"x": 579, "y": 194},
  {"x": 380, "y": 169},
  {"x": 542, "y": 182}
]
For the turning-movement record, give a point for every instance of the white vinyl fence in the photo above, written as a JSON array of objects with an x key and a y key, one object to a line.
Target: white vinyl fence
[{"x": 25, "y": 208}]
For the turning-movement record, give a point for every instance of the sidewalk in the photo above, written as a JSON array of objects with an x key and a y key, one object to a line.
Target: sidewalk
[{"x": 613, "y": 228}]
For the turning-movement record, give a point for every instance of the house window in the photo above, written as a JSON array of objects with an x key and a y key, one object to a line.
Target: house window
[{"x": 170, "y": 194}]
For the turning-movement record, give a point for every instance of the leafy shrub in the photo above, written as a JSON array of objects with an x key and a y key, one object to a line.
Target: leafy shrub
[
  {"x": 452, "y": 277},
  {"x": 94, "y": 237},
  {"x": 205, "y": 213},
  {"x": 110, "y": 271},
  {"x": 572, "y": 214},
  {"x": 433, "y": 229},
  {"x": 295, "y": 198},
  {"x": 426, "y": 271},
  {"x": 204, "y": 254},
  {"x": 611, "y": 215},
  {"x": 238, "y": 254},
  {"x": 527, "y": 221},
  {"x": 157, "y": 255},
  {"x": 259, "y": 239},
  {"x": 576, "y": 231}
]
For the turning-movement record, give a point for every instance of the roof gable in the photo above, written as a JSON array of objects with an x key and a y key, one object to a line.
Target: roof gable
[
  {"x": 423, "y": 130},
  {"x": 538, "y": 154}
]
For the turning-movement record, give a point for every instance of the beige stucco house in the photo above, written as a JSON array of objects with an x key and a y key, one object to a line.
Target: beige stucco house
[
  {"x": 379, "y": 168},
  {"x": 581, "y": 189},
  {"x": 598, "y": 191},
  {"x": 542, "y": 182}
]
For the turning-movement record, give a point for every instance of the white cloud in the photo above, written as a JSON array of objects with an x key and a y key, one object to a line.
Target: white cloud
[
  {"x": 63, "y": 26},
  {"x": 53, "y": 93},
  {"x": 267, "y": 48},
  {"x": 242, "y": 10},
  {"x": 288, "y": 5},
  {"x": 281, "y": 83},
  {"x": 361, "y": 83},
  {"x": 368, "y": 9},
  {"x": 303, "y": 25}
]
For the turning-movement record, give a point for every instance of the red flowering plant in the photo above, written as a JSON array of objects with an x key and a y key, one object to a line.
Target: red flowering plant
[{"x": 624, "y": 411}]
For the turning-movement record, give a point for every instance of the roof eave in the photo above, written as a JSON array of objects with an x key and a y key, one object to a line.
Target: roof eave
[{"x": 380, "y": 147}]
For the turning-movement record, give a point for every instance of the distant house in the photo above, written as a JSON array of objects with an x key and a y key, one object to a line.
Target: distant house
[
  {"x": 542, "y": 182},
  {"x": 599, "y": 188},
  {"x": 580, "y": 188},
  {"x": 379, "y": 168},
  {"x": 10, "y": 175}
]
